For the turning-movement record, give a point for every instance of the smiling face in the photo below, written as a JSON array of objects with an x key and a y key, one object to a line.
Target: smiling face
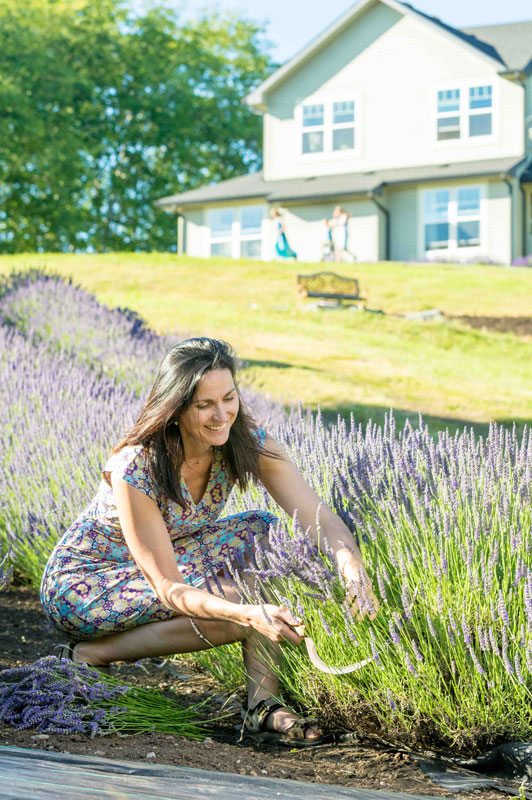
[{"x": 207, "y": 421}]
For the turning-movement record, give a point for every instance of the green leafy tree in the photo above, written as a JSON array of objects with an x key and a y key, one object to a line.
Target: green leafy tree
[{"x": 102, "y": 112}]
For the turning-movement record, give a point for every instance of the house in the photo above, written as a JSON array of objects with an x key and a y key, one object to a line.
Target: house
[{"x": 422, "y": 131}]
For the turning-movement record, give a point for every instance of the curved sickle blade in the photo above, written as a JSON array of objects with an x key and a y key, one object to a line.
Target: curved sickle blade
[{"x": 322, "y": 666}]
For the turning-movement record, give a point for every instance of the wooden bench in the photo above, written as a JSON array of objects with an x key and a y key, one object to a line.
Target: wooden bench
[{"x": 331, "y": 287}]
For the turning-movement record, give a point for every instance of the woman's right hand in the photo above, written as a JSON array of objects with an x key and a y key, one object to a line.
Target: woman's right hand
[{"x": 276, "y": 623}]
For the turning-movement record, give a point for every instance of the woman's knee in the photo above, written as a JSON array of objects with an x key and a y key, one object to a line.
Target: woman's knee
[{"x": 218, "y": 633}]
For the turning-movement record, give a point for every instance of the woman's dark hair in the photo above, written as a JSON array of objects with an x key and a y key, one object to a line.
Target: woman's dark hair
[{"x": 172, "y": 393}]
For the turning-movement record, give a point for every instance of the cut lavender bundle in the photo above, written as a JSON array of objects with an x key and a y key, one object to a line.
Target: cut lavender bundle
[{"x": 56, "y": 696}]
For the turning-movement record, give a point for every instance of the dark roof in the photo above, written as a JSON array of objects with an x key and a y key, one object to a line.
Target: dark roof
[
  {"x": 253, "y": 186},
  {"x": 512, "y": 41},
  {"x": 484, "y": 46}
]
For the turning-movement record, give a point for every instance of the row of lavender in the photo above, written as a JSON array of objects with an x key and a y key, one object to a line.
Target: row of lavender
[
  {"x": 72, "y": 377},
  {"x": 445, "y": 526}
]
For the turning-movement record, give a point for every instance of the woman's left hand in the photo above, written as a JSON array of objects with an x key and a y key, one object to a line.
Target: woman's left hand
[{"x": 359, "y": 592}]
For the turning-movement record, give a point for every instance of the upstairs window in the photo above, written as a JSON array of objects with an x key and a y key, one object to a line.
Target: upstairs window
[
  {"x": 449, "y": 114},
  {"x": 464, "y": 113},
  {"x": 480, "y": 110},
  {"x": 313, "y": 129},
  {"x": 343, "y": 122},
  {"x": 328, "y": 127}
]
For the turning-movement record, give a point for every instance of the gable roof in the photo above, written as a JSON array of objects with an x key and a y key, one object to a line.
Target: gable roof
[
  {"x": 511, "y": 40},
  {"x": 254, "y": 187},
  {"x": 504, "y": 48}
]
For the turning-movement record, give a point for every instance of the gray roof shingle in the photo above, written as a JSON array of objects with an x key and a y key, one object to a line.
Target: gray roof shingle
[
  {"x": 512, "y": 41},
  {"x": 248, "y": 187}
]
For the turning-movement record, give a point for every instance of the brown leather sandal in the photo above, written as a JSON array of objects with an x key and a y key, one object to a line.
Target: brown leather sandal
[{"x": 254, "y": 726}]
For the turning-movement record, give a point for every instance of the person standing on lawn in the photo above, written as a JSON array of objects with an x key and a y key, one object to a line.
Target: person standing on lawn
[
  {"x": 146, "y": 569},
  {"x": 282, "y": 248},
  {"x": 337, "y": 227}
]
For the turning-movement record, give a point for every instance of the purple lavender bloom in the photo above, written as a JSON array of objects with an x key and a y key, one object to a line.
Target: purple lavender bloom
[
  {"x": 55, "y": 696},
  {"x": 325, "y": 624}
]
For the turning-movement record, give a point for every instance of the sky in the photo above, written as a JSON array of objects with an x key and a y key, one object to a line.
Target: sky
[{"x": 293, "y": 23}]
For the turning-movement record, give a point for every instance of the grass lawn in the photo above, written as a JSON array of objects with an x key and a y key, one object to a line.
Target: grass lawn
[{"x": 340, "y": 360}]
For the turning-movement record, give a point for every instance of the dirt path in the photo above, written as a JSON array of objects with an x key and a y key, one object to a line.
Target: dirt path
[{"x": 25, "y": 637}]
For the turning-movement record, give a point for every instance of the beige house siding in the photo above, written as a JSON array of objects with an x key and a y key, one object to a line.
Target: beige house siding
[
  {"x": 499, "y": 222},
  {"x": 197, "y": 235},
  {"x": 307, "y": 232},
  {"x": 528, "y": 218},
  {"x": 395, "y": 124},
  {"x": 403, "y": 205}
]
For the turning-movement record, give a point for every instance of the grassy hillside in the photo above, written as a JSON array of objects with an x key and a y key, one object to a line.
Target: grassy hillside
[{"x": 341, "y": 360}]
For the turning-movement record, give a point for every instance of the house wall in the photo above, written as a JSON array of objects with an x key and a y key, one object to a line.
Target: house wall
[
  {"x": 392, "y": 66},
  {"x": 307, "y": 233},
  {"x": 500, "y": 230},
  {"x": 528, "y": 218},
  {"x": 528, "y": 114},
  {"x": 403, "y": 205},
  {"x": 197, "y": 235},
  {"x": 406, "y": 208}
]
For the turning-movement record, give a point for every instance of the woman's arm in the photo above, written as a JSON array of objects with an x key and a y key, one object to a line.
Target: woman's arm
[
  {"x": 147, "y": 538},
  {"x": 286, "y": 485}
]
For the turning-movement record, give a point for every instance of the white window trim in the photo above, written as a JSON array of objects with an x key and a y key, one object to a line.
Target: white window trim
[
  {"x": 464, "y": 86},
  {"x": 329, "y": 126},
  {"x": 236, "y": 237},
  {"x": 453, "y": 251}
]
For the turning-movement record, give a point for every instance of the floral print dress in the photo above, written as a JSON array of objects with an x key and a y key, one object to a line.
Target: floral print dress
[{"x": 91, "y": 585}]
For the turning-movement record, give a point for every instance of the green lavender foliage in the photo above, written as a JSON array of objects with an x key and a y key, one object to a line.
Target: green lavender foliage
[{"x": 444, "y": 526}]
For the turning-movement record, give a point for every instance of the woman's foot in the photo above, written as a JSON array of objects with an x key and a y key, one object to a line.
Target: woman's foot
[
  {"x": 271, "y": 721},
  {"x": 282, "y": 719}
]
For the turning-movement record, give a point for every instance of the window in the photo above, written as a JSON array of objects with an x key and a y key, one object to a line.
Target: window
[
  {"x": 451, "y": 218},
  {"x": 468, "y": 217},
  {"x": 221, "y": 227},
  {"x": 464, "y": 113},
  {"x": 236, "y": 232},
  {"x": 436, "y": 220},
  {"x": 343, "y": 132},
  {"x": 251, "y": 232},
  {"x": 328, "y": 127},
  {"x": 313, "y": 139},
  {"x": 480, "y": 105},
  {"x": 449, "y": 114}
]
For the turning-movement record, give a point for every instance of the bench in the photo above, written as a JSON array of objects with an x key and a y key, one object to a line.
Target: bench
[{"x": 330, "y": 286}]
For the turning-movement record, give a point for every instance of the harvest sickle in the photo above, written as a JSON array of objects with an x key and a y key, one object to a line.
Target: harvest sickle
[{"x": 321, "y": 665}]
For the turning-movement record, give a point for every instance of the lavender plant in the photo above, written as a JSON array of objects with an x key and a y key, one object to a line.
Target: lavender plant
[
  {"x": 62, "y": 414},
  {"x": 445, "y": 529},
  {"x": 6, "y": 570},
  {"x": 67, "y": 320},
  {"x": 56, "y": 696},
  {"x": 60, "y": 419},
  {"x": 444, "y": 526}
]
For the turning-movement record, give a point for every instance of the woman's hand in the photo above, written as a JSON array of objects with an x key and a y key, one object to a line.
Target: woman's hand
[
  {"x": 276, "y": 623},
  {"x": 360, "y": 596}
]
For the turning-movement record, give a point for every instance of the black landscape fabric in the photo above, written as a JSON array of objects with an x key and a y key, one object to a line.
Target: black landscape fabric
[{"x": 39, "y": 775}]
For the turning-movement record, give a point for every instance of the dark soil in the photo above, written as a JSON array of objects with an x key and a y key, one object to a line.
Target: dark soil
[
  {"x": 25, "y": 637},
  {"x": 520, "y": 326}
]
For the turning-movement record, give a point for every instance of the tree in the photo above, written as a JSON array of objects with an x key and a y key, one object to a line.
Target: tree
[{"x": 102, "y": 112}]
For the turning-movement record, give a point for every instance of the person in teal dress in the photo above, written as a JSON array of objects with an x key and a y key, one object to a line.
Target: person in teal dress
[
  {"x": 149, "y": 567},
  {"x": 282, "y": 248}
]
